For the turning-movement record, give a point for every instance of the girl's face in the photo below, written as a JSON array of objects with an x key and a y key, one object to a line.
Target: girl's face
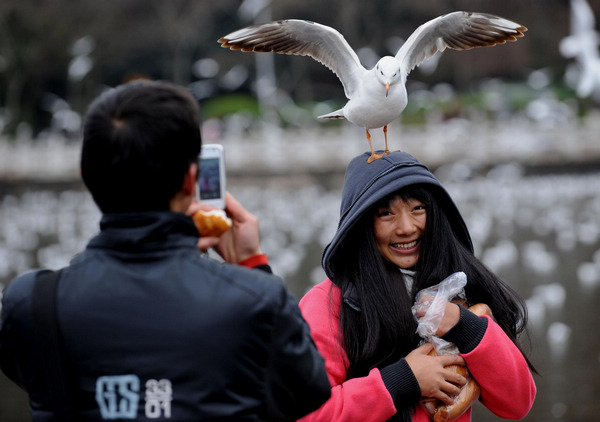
[{"x": 399, "y": 228}]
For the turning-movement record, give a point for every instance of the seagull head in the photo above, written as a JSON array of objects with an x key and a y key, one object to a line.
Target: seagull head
[{"x": 387, "y": 71}]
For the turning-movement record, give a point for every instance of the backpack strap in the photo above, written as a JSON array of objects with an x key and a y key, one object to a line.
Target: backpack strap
[{"x": 50, "y": 353}]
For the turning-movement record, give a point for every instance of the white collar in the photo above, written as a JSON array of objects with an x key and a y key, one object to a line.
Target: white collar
[{"x": 409, "y": 277}]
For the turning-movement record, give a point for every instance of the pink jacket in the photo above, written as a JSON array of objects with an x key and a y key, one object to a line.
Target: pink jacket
[{"x": 507, "y": 387}]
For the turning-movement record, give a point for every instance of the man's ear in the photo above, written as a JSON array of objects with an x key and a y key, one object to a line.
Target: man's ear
[{"x": 189, "y": 180}]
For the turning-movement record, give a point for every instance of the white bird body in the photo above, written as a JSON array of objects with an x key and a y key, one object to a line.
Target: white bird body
[
  {"x": 377, "y": 96},
  {"x": 370, "y": 95},
  {"x": 389, "y": 107}
]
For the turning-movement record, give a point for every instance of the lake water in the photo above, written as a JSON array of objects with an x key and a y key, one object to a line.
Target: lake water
[{"x": 540, "y": 232}]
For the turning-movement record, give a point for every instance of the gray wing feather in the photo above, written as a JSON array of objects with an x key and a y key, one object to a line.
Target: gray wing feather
[
  {"x": 459, "y": 31},
  {"x": 303, "y": 38}
]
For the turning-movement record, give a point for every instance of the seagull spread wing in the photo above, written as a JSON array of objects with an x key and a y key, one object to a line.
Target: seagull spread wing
[
  {"x": 459, "y": 31},
  {"x": 303, "y": 38}
]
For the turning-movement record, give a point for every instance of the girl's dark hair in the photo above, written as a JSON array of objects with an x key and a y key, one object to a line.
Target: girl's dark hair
[
  {"x": 384, "y": 330},
  {"x": 139, "y": 140}
]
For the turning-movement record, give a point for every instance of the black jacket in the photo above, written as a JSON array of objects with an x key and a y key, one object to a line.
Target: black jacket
[{"x": 153, "y": 330}]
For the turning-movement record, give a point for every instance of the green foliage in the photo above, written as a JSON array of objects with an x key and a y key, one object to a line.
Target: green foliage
[{"x": 224, "y": 105}]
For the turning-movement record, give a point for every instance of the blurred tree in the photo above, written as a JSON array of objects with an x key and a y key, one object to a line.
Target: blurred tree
[
  {"x": 161, "y": 39},
  {"x": 32, "y": 46},
  {"x": 133, "y": 38}
]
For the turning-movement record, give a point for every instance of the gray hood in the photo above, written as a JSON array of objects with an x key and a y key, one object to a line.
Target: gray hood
[{"x": 366, "y": 184}]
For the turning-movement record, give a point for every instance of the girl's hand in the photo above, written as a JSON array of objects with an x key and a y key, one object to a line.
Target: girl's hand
[
  {"x": 435, "y": 380},
  {"x": 449, "y": 318}
]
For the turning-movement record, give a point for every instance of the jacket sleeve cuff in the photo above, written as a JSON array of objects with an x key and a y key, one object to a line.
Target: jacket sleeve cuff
[
  {"x": 468, "y": 331},
  {"x": 402, "y": 384},
  {"x": 258, "y": 261}
]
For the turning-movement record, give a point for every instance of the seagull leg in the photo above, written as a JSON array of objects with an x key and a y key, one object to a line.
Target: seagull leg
[
  {"x": 387, "y": 150},
  {"x": 373, "y": 156}
]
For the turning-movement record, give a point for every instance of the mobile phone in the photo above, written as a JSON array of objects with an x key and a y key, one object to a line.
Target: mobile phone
[{"x": 211, "y": 183}]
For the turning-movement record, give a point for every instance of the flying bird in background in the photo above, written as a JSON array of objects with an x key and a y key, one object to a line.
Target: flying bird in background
[
  {"x": 377, "y": 96},
  {"x": 582, "y": 45}
]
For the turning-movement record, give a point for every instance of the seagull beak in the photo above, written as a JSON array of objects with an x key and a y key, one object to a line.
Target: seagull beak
[{"x": 387, "y": 89}]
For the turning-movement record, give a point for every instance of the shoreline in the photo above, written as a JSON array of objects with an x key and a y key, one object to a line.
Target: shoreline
[{"x": 326, "y": 149}]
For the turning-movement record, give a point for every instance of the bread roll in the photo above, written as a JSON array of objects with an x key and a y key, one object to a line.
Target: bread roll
[
  {"x": 441, "y": 412},
  {"x": 211, "y": 223}
]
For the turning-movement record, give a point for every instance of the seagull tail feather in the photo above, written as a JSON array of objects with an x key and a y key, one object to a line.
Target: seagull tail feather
[{"x": 338, "y": 114}]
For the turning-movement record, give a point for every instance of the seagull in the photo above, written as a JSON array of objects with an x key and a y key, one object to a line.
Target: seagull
[
  {"x": 582, "y": 45},
  {"x": 377, "y": 96}
]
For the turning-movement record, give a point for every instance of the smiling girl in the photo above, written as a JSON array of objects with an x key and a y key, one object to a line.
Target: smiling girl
[{"x": 399, "y": 233}]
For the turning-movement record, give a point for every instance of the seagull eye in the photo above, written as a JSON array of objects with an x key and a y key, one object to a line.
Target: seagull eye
[{"x": 381, "y": 72}]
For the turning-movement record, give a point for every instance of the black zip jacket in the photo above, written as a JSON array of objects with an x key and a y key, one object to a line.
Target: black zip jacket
[{"x": 154, "y": 331}]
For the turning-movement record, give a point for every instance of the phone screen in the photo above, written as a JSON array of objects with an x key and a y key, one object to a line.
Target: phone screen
[{"x": 210, "y": 184}]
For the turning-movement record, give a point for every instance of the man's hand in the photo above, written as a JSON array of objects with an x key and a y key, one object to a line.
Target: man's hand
[{"x": 238, "y": 243}]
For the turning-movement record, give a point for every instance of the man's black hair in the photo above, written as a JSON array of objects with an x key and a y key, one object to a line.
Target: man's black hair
[{"x": 139, "y": 140}]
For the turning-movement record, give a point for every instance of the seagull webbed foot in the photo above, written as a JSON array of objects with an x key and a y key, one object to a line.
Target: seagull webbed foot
[{"x": 374, "y": 157}]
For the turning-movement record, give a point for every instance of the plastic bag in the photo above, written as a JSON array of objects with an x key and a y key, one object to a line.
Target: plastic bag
[{"x": 433, "y": 300}]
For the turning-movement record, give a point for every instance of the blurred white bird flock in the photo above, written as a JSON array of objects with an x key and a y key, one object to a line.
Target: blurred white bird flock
[
  {"x": 377, "y": 96},
  {"x": 582, "y": 45}
]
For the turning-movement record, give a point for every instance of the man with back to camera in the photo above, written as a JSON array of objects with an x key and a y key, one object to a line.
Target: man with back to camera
[{"x": 150, "y": 329}]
